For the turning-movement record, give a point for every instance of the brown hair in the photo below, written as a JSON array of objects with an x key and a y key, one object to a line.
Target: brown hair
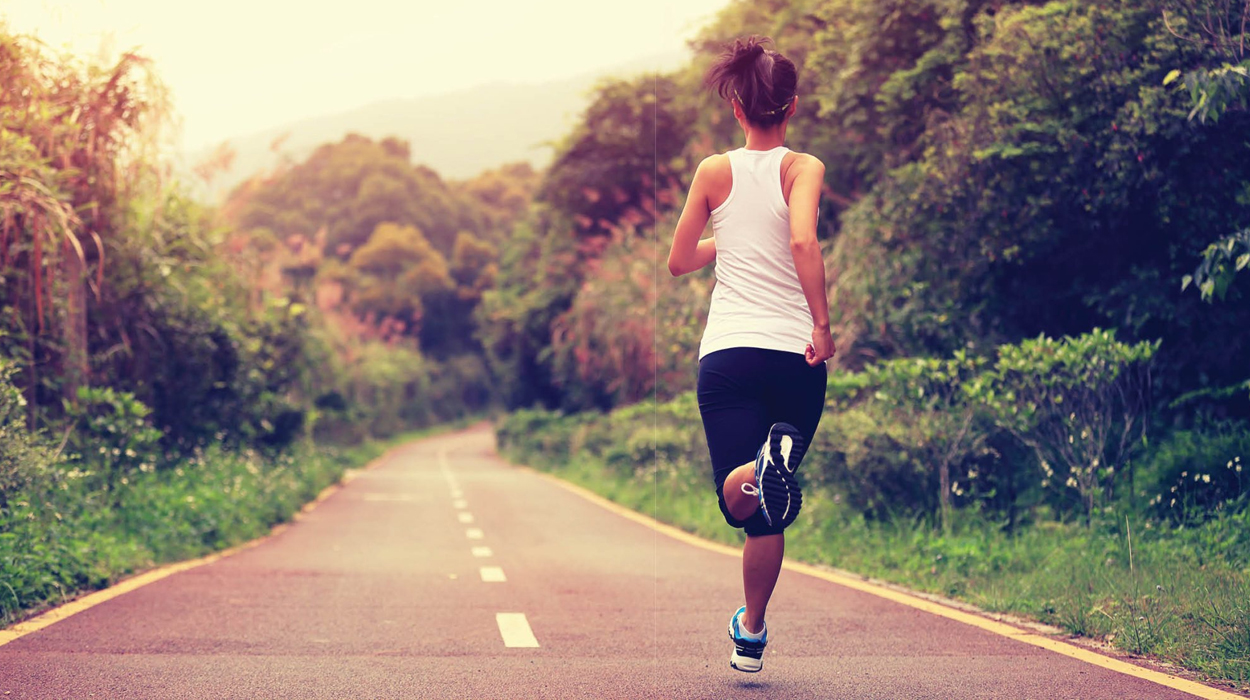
[{"x": 761, "y": 80}]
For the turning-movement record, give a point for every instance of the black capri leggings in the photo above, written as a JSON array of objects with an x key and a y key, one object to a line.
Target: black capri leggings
[{"x": 742, "y": 392}]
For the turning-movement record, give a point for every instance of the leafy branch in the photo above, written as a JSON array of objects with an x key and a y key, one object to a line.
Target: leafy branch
[{"x": 1221, "y": 261}]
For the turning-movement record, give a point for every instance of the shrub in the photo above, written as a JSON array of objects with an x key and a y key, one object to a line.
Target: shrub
[
  {"x": 111, "y": 439},
  {"x": 927, "y": 399},
  {"x": 1196, "y": 474},
  {"x": 859, "y": 453},
  {"x": 1079, "y": 403},
  {"x": 23, "y": 459}
]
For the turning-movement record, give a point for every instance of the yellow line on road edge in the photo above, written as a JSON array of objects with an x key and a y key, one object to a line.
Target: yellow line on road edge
[
  {"x": 1000, "y": 628},
  {"x": 91, "y": 600}
]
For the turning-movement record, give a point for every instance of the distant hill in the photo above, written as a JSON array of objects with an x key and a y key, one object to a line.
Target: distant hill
[{"x": 457, "y": 134}]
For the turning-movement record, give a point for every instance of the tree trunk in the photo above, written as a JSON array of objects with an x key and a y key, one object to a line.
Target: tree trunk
[{"x": 74, "y": 332}]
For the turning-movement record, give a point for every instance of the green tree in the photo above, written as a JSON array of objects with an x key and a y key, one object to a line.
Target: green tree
[
  {"x": 503, "y": 194},
  {"x": 892, "y": 66},
  {"x": 394, "y": 272},
  {"x": 608, "y": 170},
  {"x": 448, "y": 326},
  {"x": 1214, "y": 92},
  {"x": 929, "y": 397},
  {"x": 473, "y": 266},
  {"x": 350, "y": 188},
  {"x": 1065, "y": 188},
  {"x": 539, "y": 273},
  {"x": 66, "y": 129}
]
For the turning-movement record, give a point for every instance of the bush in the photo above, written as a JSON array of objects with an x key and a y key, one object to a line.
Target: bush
[
  {"x": 23, "y": 460},
  {"x": 917, "y": 435},
  {"x": 1198, "y": 474},
  {"x": 859, "y": 454},
  {"x": 540, "y": 436},
  {"x": 1079, "y": 403},
  {"x": 110, "y": 439}
]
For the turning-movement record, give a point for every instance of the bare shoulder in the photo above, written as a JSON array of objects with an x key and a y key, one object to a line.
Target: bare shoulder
[
  {"x": 714, "y": 179},
  {"x": 800, "y": 166},
  {"x": 714, "y": 169},
  {"x": 804, "y": 163}
]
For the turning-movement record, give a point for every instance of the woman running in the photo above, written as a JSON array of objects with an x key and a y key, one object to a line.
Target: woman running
[{"x": 762, "y": 374}]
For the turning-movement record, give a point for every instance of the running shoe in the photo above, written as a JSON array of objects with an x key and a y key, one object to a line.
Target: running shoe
[
  {"x": 748, "y": 655},
  {"x": 775, "y": 463}
]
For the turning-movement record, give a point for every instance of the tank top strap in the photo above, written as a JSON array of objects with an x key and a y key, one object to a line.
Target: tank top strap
[{"x": 774, "y": 167}]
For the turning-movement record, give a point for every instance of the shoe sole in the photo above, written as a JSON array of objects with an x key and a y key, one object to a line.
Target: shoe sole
[
  {"x": 779, "y": 489},
  {"x": 745, "y": 664}
]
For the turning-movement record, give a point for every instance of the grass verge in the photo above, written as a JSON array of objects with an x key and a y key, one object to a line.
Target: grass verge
[{"x": 68, "y": 539}]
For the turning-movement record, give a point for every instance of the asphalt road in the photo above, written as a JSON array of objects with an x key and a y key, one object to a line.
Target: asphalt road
[{"x": 394, "y": 587}]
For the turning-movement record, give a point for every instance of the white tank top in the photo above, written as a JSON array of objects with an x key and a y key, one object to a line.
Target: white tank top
[{"x": 757, "y": 301}]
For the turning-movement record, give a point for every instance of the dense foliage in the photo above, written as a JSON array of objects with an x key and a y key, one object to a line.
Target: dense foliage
[
  {"x": 349, "y": 188},
  {"x": 1069, "y": 191},
  {"x": 165, "y": 373}
]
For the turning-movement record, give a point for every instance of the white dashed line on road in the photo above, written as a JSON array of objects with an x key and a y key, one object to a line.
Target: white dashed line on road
[
  {"x": 493, "y": 574},
  {"x": 515, "y": 630},
  {"x": 465, "y": 518},
  {"x": 474, "y": 533},
  {"x": 445, "y": 470},
  {"x": 482, "y": 552}
]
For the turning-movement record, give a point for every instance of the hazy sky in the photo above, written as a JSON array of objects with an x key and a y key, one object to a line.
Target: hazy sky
[{"x": 239, "y": 66}]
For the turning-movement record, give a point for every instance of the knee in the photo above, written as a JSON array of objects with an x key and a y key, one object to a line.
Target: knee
[
  {"x": 753, "y": 525},
  {"x": 725, "y": 510},
  {"x": 739, "y": 504}
]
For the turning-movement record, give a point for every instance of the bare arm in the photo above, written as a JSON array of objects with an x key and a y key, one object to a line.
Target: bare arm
[
  {"x": 808, "y": 263},
  {"x": 688, "y": 253}
]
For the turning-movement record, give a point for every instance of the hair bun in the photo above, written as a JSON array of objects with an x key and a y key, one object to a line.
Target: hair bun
[
  {"x": 761, "y": 81},
  {"x": 745, "y": 53},
  {"x": 752, "y": 48}
]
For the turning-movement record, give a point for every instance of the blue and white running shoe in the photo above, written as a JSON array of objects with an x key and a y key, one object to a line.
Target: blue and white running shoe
[
  {"x": 775, "y": 482},
  {"x": 748, "y": 655}
]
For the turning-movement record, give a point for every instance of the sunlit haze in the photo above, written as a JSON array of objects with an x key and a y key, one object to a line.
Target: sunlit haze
[{"x": 238, "y": 66}]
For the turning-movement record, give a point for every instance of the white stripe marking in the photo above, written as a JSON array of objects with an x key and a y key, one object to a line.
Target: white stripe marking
[
  {"x": 493, "y": 574},
  {"x": 515, "y": 630},
  {"x": 445, "y": 469},
  {"x": 460, "y": 504},
  {"x": 482, "y": 552},
  {"x": 474, "y": 533},
  {"x": 465, "y": 518}
]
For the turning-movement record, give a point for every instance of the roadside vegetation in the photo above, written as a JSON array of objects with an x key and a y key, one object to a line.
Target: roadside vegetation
[{"x": 177, "y": 377}]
